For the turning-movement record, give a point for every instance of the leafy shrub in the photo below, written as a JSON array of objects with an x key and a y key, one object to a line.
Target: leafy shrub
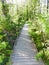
[
  {"x": 39, "y": 31},
  {"x": 10, "y": 25}
]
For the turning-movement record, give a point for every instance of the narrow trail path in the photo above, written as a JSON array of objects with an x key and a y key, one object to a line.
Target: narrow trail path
[{"x": 24, "y": 50}]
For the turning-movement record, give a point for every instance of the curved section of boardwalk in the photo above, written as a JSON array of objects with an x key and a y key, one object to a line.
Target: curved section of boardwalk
[{"x": 24, "y": 51}]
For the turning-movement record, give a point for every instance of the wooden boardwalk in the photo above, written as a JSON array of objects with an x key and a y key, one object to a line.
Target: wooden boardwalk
[{"x": 24, "y": 52}]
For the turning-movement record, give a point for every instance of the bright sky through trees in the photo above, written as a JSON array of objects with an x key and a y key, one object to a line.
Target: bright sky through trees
[
  {"x": 16, "y": 1},
  {"x": 19, "y": 2}
]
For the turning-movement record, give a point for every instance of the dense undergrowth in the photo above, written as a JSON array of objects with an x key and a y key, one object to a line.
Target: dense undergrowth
[
  {"x": 10, "y": 26},
  {"x": 12, "y": 21},
  {"x": 39, "y": 32}
]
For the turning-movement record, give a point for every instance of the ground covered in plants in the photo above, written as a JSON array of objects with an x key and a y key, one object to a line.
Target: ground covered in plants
[
  {"x": 10, "y": 26},
  {"x": 12, "y": 19},
  {"x": 39, "y": 31}
]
